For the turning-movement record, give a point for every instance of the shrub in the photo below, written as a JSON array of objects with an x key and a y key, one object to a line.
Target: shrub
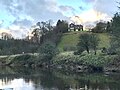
[
  {"x": 96, "y": 60},
  {"x": 22, "y": 60},
  {"x": 46, "y": 52},
  {"x": 67, "y": 59}
]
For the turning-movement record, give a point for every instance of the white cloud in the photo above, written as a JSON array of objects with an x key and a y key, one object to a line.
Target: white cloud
[
  {"x": 22, "y": 22},
  {"x": 90, "y": 16},
  {"x": 102, "y": 10},
  {"x": 18, "y": 31},
  {"x": 28, "y": 12},
  {"x": 106, "y": 6}
]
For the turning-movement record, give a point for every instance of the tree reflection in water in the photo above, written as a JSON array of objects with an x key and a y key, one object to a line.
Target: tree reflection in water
[{"x": 41, "y": 79}]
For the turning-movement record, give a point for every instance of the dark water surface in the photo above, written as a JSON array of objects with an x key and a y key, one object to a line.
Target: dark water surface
[{"x": 38, "y": 79}]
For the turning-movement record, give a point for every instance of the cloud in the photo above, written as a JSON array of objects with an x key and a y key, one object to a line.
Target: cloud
[
  {"x": 23, "y": 22},
  {"x": 39, "y": 10},
  {"x": 36, "y": 9},
  {"x": 106, "y": 6},
  {"x": 18, "y": 31},
  {"x": 66, "y": 8},
  {"x": 89, "y": 1},
  {"x": 90, "y": 16},
  {"x": 100, "y": 10},
  {"x": 27, "y": 12}
]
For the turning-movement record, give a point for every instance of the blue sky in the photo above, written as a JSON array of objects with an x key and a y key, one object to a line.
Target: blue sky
[{"x": 17, "y": 16}]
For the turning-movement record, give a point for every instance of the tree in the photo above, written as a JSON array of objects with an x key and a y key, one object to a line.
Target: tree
[
  {"x": 48, "y": 50},
  {"x": 40, "y": 30},
  {"x": 62, "y": 26},
  {"x": 115, "y": 40},
  {"x": 84, "y": 43},
  {"x": 36, "y": 35},
  {"x": 44, "y": 31},
  {"x": 100, "y": 27},
  {"x": 87, "y": 41},
  {"x": 94, "y": 40},
  {"x": 108, "y": 27}
]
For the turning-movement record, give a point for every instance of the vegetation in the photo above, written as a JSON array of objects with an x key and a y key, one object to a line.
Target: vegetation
[
  {"x": 87, "y": 41},
  {"x": 84, "y": 62},
  {"x": 10, "y": 47},
  {"x": 47, "y": 51},
  {"x": 100, "y": 27},
  {"x": 93, "y": 50},
  {"x": 115, "y": 39},
  {"x": 62, "y": 26},
  {"x": 104, "y": 40},
  {"x": 69, "y": 40}
]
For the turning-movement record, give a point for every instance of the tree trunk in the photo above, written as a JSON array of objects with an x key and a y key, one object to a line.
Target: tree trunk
[
  {"x": 87, "y": 49},
  {"x": 95, "y": 51}
]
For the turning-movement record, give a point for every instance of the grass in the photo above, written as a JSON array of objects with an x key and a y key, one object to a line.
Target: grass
[
  {"x": 104, "y": 40},
  {"x": 71, "y": 39},
  {"x": 68, "y": 59}
]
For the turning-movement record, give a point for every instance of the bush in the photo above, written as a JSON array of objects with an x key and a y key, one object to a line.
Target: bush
[
  {"x": 67, "y": 59},
  {"x": 22, "y": 60},
  {"x": 96, "y": 60},
  {"x": 46, "y": 52},
  {"x": 83, "y": 59}
]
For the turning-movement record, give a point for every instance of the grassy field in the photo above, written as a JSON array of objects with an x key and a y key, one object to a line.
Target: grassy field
[
  {"x": 71, "y": 39},
  {"x": 104, "y": 40}
]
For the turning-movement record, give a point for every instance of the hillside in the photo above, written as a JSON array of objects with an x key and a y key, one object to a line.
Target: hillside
[{"x": 69, "y": 40}]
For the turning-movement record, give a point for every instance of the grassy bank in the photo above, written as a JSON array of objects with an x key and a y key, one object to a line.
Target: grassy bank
[
  {"x": 90, "y": 61},
  {"x": 66, "y": 61},
  {"x": 70, "y": 40}
]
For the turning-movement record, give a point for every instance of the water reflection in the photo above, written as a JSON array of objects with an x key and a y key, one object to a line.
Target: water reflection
[
  {"x": 16, "y": 84},
  {"x": 39, "y": 79}
]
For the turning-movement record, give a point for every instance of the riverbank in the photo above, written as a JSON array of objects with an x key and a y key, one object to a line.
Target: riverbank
[
  {"x": 87, "y": 62},
  {"x": 67, "y": 61}
]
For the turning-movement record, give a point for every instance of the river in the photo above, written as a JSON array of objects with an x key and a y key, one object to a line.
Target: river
[{"x": 41, "y": 79}]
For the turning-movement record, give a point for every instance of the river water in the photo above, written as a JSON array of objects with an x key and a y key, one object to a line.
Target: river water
[{"x": 39, "y": 79}]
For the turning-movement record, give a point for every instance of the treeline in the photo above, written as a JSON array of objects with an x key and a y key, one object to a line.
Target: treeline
[
  {"x": 102, "y": 27},
  {"x": 42, "y": 32},
  {"x": 9, "y": 47}
]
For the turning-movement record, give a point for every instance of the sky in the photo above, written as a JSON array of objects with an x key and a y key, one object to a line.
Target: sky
[{"x": 17, "y": 16}]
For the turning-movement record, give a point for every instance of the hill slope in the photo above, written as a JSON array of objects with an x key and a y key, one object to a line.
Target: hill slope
[{"x": 69, "y": 40}]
